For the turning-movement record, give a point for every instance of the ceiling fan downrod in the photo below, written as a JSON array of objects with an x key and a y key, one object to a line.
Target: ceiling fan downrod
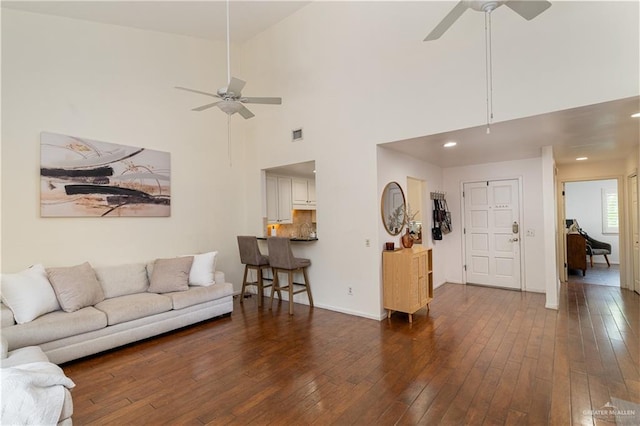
[
  {"x": 489, "y": 63},
  {"x": 228, "y": 49}
]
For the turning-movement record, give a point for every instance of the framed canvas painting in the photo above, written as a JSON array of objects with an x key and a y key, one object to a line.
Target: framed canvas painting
[{"x": 83, "y": 177}]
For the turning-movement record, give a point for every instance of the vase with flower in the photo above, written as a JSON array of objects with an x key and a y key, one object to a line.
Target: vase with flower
[{"x": 409, "y": 236}]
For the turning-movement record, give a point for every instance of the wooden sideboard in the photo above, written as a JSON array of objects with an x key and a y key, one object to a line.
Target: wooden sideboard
[
  {"x": 407, "y": 280},
  {"x": 577, "y": 252}
]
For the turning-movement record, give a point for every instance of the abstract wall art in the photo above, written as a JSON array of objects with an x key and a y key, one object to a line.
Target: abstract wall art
[{"x": 83, "y": 177}]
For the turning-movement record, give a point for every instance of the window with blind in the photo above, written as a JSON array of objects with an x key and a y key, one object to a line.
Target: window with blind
[{"x": 609, "y": 211}]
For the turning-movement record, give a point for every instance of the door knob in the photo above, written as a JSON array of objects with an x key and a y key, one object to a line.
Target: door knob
[{"x": 513, "y": 240}]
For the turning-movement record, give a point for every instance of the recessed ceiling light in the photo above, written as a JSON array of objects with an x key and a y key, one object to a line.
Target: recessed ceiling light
[
  {"x": 450, "y": 144},
  {"x": 636, "y": 115},
  {"x": 581, "y": 158}
]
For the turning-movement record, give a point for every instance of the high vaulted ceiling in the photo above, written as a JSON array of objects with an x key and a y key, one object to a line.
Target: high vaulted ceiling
[
  {"x": 202, "y": 19},
  {"x": 601, "y": 132}
]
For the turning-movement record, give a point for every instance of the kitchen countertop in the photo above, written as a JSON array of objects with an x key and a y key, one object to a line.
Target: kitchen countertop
[{"x": 295, "y": 239}]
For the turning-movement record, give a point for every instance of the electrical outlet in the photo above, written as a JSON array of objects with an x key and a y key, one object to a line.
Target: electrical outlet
[
  {"x": 367, "y": 243},
  {"x": 350, "y": 291},
  {"x": 531, "y": 233}
]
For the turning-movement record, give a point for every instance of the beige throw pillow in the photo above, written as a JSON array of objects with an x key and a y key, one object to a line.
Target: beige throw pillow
[
  {"x": 76, "y": 287},
  {"x": 170, "y": 275}
]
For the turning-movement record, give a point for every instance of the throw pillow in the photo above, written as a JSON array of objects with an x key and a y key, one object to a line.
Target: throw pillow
[
  {"x": 76, "y": 286},
  {"x": 120, "y": 280},
  {"x": 170, "y": 275},
  {"x": 203, "y": 269},
  {"x": 29, "y": 294}
]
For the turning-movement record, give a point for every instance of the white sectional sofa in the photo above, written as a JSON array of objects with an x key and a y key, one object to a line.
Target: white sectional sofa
[
  {"x": 34, "y": 390},
  {"x": 90, "y": 310}
]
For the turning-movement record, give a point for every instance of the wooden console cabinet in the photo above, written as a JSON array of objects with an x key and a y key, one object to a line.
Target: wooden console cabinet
[
  {"x": 407, "y": 280},
  {"x": 577, "y": 252}
]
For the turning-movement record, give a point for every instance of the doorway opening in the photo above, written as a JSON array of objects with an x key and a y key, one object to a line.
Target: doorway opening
[
  {"x": 593, "y": 236},
  {"x": 415, "y": 208}
]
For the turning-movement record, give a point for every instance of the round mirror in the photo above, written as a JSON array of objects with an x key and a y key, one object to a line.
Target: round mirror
[{"x": 393, "y": 210}]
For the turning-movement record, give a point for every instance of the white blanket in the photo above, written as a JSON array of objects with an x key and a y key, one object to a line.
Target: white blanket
[{"x": 33, "y": 394}]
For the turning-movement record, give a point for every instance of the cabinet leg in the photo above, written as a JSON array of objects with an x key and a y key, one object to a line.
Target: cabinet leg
[
  {"x": 410, "y": 318},
  {"x": 389, "y": 312}
]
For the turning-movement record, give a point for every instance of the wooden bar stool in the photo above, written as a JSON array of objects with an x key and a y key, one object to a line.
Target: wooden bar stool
[
  {"x": 282, "y": 260},
  {"x": 251, "y": 257}
]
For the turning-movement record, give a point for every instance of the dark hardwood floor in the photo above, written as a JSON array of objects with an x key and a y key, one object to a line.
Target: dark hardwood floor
[
  {"x": 599, "y": 274},
  {"x": 481, "y": 356}
]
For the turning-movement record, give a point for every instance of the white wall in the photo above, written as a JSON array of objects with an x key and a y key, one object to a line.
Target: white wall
[
  {"x": 583, "y": 202},
  {"x": 354, "y": 77},
  {"x": 114, "y": 84},
  {"x": 396, "y": 167},
  {"x": 352, "y": 74}
]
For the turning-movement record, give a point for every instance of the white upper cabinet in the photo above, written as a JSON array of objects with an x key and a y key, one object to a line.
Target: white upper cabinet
[
  {"x": 303, "y": 194},
  {"x": 279, "y": 199}
]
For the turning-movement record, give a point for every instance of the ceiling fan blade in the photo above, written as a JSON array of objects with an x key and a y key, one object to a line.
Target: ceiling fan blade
[
  {"x": 244, "y": 111},
  {"x": 207, "y": 106},
  {"x": 528, "y": 9},
  {"x": 197, "y": 91},
  {"x": 273, "y": 101},
  {"x": 448, "y": 20},
  {"x": 235, "y": 86}
]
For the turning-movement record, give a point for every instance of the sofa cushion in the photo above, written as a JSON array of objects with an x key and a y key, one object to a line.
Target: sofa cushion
[
  {"x": 24, "y": 355},
  {"x": 133, "y": 306},
  {"x": 5, "y": 347},
  {"x": 76, "y": 286},
  {"x": 53, "y": 326},
  {"x": 195, "y": 295},
  {"x": 170, "y": 275},
  {"x": 121, "y": 280},
  {"x": 203, "y": 269},
  {"x": 6, "y": 316},
  {"x": 28, "y": 294}
]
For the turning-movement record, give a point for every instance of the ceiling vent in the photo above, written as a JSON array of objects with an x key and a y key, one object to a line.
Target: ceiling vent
[{"x": 296, "y": 135}]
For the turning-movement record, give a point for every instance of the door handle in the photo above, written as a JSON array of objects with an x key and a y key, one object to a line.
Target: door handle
[{"x": 513, "y": 240}]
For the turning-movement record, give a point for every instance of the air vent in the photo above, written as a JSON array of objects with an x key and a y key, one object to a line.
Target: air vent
[{"x": 296, "y": 135}]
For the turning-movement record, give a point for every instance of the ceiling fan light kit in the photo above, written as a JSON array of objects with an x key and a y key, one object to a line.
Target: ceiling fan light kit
[
  {"x": 528, "y": 9},
  {"x": 229, "y": 107}
]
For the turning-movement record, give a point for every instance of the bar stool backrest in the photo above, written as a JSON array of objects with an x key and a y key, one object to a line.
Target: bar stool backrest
[
  {"x": 280, "y": 255},
  {"x": 250, "y": 252}
]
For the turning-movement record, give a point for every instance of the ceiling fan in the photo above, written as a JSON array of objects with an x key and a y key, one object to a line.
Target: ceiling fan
[
  {"x": 528, "y": 9},
  {"x": 231, "y": 99}
]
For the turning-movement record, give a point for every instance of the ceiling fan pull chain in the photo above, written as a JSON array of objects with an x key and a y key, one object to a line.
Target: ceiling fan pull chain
[{"x": 229, "y": 139}]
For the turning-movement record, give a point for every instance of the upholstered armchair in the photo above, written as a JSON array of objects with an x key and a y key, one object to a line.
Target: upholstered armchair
[{"x": 595, "y": 248}]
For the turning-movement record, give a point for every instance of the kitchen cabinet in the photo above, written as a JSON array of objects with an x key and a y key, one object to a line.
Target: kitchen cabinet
[
  {"x": 279, "y": 200},
  {"x": 407, "y": 280},
  {"x": 303, "y": 193}
]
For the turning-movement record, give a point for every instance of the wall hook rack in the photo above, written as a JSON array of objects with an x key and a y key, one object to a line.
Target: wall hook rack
[{"x": 438, "y": 195}]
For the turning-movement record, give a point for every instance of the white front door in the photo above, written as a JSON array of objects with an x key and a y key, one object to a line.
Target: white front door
[{"x": 492, "y": 237}]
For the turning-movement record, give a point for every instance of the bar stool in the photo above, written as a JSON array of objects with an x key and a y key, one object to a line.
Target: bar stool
[
  {"x": 281, "y": 259},
  {"x": 251, "y": 257}
]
